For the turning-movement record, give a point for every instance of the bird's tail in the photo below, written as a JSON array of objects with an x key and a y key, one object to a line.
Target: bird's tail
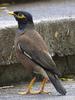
[{"x": 57, "y": 84}]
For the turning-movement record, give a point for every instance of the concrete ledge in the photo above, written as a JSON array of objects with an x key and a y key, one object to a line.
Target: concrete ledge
[
  {"x": 60, "y": 38},
  {"x": 25, "y": 1},
  {"x": 59, "y": 35}
]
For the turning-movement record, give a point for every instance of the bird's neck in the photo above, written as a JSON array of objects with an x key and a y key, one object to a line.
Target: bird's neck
[{"x": 22, "y": 27}]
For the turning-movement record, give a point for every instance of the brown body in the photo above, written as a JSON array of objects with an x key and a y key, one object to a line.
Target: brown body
[{"x": 35, "y": 38}]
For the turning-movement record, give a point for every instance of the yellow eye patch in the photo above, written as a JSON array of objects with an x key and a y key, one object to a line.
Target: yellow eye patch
[{"x": 20, "y": 16}]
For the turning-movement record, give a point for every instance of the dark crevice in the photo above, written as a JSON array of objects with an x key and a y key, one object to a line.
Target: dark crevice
[{"x": 66, "y": 70}]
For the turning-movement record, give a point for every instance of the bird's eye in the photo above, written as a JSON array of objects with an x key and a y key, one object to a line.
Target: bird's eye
[{"x": 19, "y": 15}]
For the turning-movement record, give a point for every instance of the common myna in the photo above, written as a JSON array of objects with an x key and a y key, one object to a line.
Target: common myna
[{"x": 33, "y": 53}]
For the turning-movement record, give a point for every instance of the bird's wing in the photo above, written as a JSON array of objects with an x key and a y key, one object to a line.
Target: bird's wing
[{"x": 38, "y": 56}]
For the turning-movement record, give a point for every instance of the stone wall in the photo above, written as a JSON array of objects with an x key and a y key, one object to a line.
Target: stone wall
[
  {"x": 60, "y": 38},
  {"x": 21, "y": 1}
]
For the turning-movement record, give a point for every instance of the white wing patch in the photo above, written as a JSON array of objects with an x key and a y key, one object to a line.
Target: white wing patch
[
  {"x": 27, "y": 55},
  {"x": 19, "y": 47},
  {"x": 24, "y": 52}
]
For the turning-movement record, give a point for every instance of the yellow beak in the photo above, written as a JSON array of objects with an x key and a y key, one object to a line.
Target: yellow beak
[{"x": 11, "y": 13}]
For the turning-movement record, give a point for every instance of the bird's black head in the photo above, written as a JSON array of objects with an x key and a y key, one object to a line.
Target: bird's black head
[{"x": 24, "y": 19}]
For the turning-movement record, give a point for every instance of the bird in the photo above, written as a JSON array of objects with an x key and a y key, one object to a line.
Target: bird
[{"x": 32, "y": 51}]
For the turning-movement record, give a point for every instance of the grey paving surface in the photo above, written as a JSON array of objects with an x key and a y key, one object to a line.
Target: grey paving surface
[
  {"x": 41, "y": 10},
  {"x": 12, "y": 93}
]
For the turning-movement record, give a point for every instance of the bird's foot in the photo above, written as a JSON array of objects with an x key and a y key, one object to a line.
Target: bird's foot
[
  {"x": 44, "y": 92},
  {"x": 33, "y": 92},
  {"x": 25, "y": 93},
  {"x": 29, "y": 87},
  {"x": 42, "y": 86},
  {"x": 41, "y": 91}
]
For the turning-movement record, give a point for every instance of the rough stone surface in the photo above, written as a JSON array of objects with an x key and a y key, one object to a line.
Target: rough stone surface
[
  {"x": 59, "y": 36},
  {"x": 7, "y": 54}
]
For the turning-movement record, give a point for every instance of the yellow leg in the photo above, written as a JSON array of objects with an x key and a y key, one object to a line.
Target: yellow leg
[
  {"x": 29, "y": 87},
  {"x": 41, "y": 91},
  {"x": 42, "y": 87}
]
